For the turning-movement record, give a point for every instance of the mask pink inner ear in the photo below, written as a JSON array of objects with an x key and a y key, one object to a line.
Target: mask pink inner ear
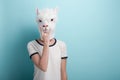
[
  {"x": 55, "y": 10},
  {"x": 37, "y": 11}
]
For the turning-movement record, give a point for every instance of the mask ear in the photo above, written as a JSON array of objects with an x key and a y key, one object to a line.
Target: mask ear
[
  {"x": 37, "y": 11},
  {"x": 56, "y": 10}
]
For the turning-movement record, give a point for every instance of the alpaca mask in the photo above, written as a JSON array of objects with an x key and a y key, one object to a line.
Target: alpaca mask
[{"x": 46, "y": 20}]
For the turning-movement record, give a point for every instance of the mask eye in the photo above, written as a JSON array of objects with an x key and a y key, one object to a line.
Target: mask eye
[
  {"x": 51, "y": 19},
  {"x": 40, "y": 20}
]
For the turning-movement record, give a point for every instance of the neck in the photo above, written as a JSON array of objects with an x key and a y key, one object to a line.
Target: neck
[
  {"x": 52, "y": 41},
  {"x": 43, "y": 41}
]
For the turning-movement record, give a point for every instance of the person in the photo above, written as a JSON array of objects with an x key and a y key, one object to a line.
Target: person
[{"x": 48, "y": 54}]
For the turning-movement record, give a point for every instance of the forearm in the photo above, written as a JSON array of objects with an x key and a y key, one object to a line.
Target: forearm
[
  {"x": 63, "y": 76},
  {"x": 44, "y": 58}
]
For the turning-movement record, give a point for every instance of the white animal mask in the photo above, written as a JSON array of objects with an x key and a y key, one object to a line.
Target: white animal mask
[{"x": 46, "y": 20}]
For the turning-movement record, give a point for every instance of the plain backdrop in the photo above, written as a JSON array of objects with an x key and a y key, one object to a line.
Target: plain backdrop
[{"x": 90, "y": 28}]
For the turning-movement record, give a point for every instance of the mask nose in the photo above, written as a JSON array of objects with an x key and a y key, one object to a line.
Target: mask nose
[{"x": 45, "y": 25}]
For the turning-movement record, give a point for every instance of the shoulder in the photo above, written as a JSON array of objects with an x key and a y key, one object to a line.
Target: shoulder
[
  {"x": 30, "y": 43},
  {"x": 61, "y": 43}
]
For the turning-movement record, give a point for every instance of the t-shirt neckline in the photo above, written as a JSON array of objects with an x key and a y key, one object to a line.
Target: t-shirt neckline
[{"x": 43, "y": 44}]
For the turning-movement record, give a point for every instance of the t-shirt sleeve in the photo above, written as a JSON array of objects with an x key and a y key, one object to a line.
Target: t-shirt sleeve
[
  {"x": 63, "y": 51},
  {"x": 32, "y": 50}
]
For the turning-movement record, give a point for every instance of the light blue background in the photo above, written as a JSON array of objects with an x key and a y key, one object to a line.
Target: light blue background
[{"x": 90, "y": 28}]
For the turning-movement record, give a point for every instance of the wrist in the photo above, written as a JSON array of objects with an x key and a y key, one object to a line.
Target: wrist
[{"x": 46, "y": 44}]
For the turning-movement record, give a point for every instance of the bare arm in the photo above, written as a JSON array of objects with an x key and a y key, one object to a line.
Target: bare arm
[
  {"x": 63, "y": 69},
  {"x": 42, "y": 61}
]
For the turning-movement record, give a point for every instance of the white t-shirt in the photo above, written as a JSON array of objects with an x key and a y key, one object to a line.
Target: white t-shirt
[{"x": 57, "y": 51}]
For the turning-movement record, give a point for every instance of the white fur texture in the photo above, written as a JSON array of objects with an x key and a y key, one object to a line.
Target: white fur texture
[{"x": 47, "y": 17}]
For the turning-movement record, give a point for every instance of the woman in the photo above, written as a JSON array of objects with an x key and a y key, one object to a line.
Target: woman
[{"x": 47, "y": 53}]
